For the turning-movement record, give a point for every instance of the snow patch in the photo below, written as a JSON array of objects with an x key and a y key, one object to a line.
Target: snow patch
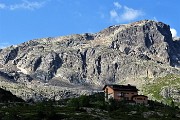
[{"x": 22, "y": 70}]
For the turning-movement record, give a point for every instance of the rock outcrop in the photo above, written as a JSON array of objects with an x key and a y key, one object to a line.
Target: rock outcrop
[
  {"x": 117, "y": 54},
  {"x": 171, "y": 92}
]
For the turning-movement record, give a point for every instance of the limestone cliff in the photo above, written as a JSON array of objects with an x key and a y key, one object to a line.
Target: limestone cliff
[{"x": 125, "y": 53}]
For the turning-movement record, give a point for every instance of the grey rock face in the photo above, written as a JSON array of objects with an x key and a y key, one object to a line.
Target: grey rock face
[
  {"x": 114, "y": 55},
  {"x": 46, "y": 67},
  {"x": 171, "y": 92},
  {"x": 8, "y": 54}
]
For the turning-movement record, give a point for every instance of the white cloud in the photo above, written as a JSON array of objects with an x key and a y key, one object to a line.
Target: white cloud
[
  {"x": 114, "y": 14},
  {"x": 4, "y": 45},
  {"x": 24, "y": 4},
  {"x": 117, "y": 5},
  {"x": 2, "y": 6},
  {"x": 125, "y": 14},
  {"x": 27, "y": 5},
  {"x": 131, "y": 14},
  {"x": 173, "y": 32}
]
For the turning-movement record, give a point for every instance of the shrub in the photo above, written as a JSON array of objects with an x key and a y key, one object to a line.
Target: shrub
[
  {"x": 74, "y": 103},
  {"x": 84, "y": 101}
]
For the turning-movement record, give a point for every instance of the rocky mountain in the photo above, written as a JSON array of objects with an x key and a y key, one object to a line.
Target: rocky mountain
[{"x": 58, "y": 67}]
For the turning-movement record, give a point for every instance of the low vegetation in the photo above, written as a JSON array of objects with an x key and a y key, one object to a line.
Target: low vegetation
[
  {"x": 91, "y": 107},
  {"x": 155, "y": 89}
]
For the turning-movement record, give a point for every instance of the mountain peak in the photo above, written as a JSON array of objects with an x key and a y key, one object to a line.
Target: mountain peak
[{"x": 119, "y": 53}]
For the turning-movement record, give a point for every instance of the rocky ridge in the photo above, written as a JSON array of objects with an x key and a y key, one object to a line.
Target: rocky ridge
[{"x": 118, "y": 54}]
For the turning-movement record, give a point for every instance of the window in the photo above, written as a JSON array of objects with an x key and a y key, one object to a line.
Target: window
[
  {"x": 120, "y": 94},
  {"x": 139, "y": 99}
]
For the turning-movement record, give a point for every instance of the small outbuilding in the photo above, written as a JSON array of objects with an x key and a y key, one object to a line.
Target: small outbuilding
[{"x": 140, "y": 99}]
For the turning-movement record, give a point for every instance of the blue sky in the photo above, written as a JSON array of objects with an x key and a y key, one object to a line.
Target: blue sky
[{"x": 23, "y": 20}]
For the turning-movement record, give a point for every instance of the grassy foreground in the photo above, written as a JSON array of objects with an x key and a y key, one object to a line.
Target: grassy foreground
[{"x": 87, "y": 108}]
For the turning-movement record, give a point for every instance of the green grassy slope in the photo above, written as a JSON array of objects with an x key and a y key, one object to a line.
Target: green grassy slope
[{"x": 153, "y": 90}]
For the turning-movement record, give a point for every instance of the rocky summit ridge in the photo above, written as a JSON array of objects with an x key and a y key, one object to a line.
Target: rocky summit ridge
[{"x": 58, "y": 67}]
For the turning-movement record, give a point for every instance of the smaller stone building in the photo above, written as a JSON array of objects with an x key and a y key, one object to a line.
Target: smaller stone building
[{"x": 128, "y": 93}]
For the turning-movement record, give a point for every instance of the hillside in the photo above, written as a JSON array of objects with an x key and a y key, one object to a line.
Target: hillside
[
  {"x": 164, "y": 89},
  {"x": 60, "y": 67},
  {"x": 91, "y": 107},
  {"x": 6, "y": 96}
]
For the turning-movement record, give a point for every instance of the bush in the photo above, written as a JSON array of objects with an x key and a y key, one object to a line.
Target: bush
[
  {"x": 100, "y": 105},
  {"x": 74, "y": 103},
  {"x": 84, "y": 101}
]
